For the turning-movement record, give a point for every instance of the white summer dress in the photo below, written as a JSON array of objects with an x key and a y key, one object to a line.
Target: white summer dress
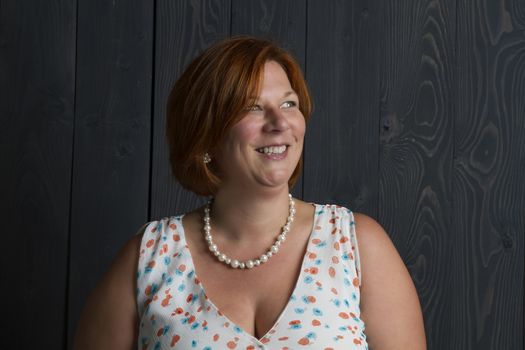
[{"x": 322, "y": 312}]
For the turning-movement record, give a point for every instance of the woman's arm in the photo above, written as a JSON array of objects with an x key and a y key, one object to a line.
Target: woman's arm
[
  {"x": 389, "y": 303},
  {"x": 109, "y": 319}
]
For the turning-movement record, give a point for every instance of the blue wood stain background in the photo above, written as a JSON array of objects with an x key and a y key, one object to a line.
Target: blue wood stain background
[{"x": 419, "y": 121}]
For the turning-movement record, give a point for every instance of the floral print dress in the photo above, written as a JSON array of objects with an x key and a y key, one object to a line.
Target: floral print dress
[{"x": 322, "y": 312}]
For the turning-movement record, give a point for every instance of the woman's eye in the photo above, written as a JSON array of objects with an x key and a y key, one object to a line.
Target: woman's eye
[
  {"x": 289, "y": 104},
  {"x": 253, "y": 108}
]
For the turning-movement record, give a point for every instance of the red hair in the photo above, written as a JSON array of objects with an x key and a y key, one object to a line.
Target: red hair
[{"x": 210, "y": 97}]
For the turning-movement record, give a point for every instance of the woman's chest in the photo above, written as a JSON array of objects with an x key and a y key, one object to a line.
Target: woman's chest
[
  {"x": 254, "y": 300},
  {"x": 319, "y": 314},
  {"x": 323, "y": 309},
  {"x": 251, "y": 298}
]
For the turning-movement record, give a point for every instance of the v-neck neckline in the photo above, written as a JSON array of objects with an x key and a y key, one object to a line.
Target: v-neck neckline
[{"x": 300, "y": 277}]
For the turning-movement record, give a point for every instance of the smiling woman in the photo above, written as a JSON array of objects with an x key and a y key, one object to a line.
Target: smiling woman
[
  {"x": 216, "y": 91},
  {"x": 265, "y": 145},
  {"x": 254, "y": 268}
]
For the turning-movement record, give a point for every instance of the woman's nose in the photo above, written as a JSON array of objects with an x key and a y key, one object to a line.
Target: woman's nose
[{"x": 276, "y": 120}]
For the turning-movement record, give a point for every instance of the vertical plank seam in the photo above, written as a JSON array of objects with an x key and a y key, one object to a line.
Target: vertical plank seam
[
  {"x": 231, "y": 18},
  {"x": 454, "y": 89},
  {"x": 455, "y": 108},
  {"x": 379, "y": 109},
  {"x": 455, "y": 105},
  {"x": 65, "y": 340},
  {"x": 305, "y": 77},
  {"x": 152, "y": 109}
]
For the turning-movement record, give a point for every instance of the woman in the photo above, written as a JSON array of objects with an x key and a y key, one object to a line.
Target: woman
[{"x": 254, "y": 268}]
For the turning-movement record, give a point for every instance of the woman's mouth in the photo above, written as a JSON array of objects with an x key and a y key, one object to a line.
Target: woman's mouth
[{"x": 274, "y": 152}]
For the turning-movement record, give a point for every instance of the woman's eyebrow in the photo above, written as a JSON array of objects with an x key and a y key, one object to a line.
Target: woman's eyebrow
[{"x": 288, "y": 93}]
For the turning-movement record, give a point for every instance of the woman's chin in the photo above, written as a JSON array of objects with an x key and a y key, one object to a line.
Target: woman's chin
[{"x": 277, "y": 180}]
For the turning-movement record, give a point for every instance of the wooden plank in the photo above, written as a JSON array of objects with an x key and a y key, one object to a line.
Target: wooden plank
[
  {"x": 416, "y": 151},
  {"x": 112, "y": 138},
  {"x": 183, "y": 29},
  {"x": 282, "y": 21},
  {"x": 37, "y": 80},
  {"x": 488, "y": 187},
  {"x": 341, "y": 144}
]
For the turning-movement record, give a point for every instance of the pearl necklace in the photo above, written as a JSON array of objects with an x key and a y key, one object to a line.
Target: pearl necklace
[{"x": 234, "y": 263}]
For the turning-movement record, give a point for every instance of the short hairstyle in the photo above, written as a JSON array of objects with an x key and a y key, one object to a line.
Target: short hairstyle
[{"x": 211, "y": 96}]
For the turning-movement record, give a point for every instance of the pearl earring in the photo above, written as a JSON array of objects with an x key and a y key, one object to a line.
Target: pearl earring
[{"x": 207, "y": 158}]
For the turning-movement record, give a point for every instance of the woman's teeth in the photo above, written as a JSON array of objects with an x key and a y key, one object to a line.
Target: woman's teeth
[{"x": 272, "y": 150}]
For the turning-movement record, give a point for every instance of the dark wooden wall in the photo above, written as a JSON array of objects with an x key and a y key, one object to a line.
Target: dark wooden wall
[{"x": 419, "y": 121}]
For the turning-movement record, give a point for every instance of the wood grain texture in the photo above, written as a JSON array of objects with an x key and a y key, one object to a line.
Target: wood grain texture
[
  {"x": 183, "y": 30},
  {"x": 488, "y": 186},
  {"x": 419, "y": 121},
  {"x": 417, "y": 116},
  {"x": 37, "y": 81},
  {"x": 112, "y": 138},
  {"x": 342, "y": 137},
  {"x": 282, "y": 21}
]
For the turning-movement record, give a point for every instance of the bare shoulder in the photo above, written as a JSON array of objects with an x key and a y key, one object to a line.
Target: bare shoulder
[
  {"x": 371, "y": 235},
  {"x": 389, "y": 302},
  {"x": 109, "y": 319}
]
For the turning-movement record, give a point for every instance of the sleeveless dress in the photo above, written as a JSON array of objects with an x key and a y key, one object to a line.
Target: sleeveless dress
[{"x": 322, "y": 312}]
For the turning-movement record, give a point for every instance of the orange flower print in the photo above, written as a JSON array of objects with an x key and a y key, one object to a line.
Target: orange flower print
[
  {"x": 331, "y": 271},
  {"x": 322, "y": 311}
]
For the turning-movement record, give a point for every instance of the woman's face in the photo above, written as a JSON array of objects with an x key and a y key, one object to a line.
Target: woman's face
[{"x": 273, "y": 120}]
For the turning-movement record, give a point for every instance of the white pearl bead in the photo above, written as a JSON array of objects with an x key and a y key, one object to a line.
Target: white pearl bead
[{"x": 250, "y": 263}]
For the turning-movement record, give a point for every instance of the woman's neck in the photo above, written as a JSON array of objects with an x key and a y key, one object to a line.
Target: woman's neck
[{"x": 241, "y": 216}]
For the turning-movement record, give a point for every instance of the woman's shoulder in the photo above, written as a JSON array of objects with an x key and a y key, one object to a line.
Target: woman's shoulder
[
  {"x": 369, "y": 231},
  {"x": 329, "y": 215},
  {"x": 328, "y": 208},
  {"x": 366, "y": 226},
  {"x": 109, "y": 315},
  {"x": 157, "y": 230},
  {"x": 386, "y": 288},
  {"x": 376, "y": 249}
]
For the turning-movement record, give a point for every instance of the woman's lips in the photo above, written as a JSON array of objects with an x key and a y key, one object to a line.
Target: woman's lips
[{"x": 275, "y": 156}]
